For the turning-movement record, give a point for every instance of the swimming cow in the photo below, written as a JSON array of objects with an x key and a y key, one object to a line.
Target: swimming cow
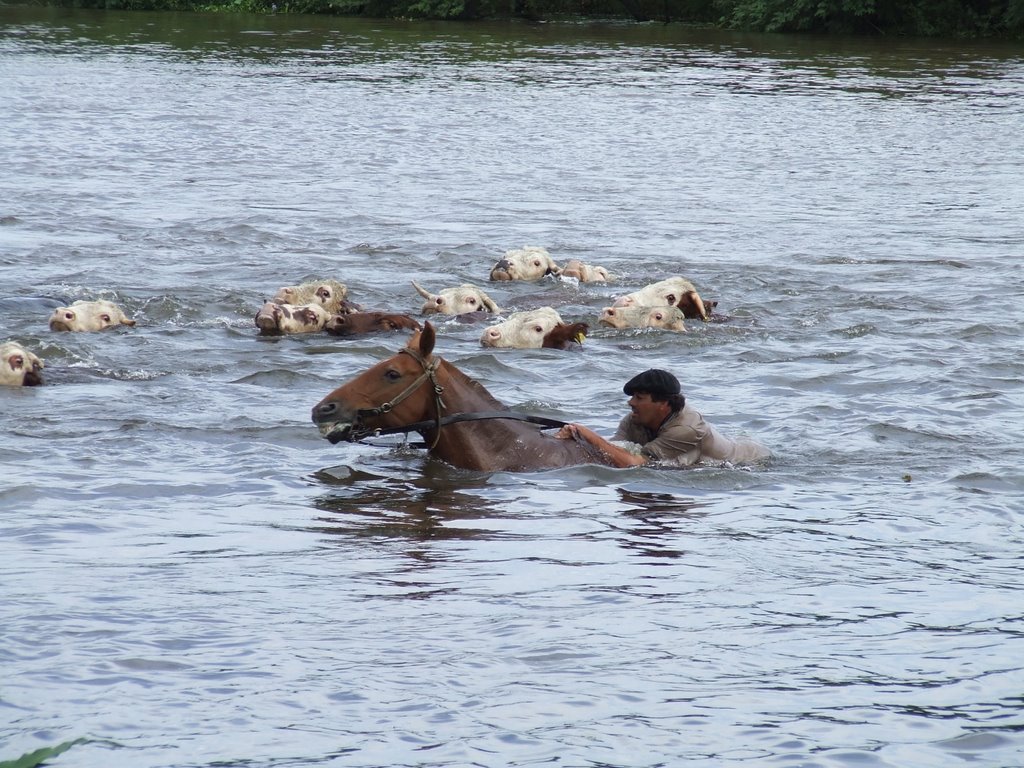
[
  {"x": 275, "y": 319},
  {"x": 18, "y": 366},
  {"x": 669, "y": 318},
  {"x": 534, "y": 329},
  {"x": 88, "y": 316},
  {"x": 528, "y": 263},
  {"x": 673, "y": 291},
  {"x": 462, "y": 300},
  {"x": 330, "y": 294}
]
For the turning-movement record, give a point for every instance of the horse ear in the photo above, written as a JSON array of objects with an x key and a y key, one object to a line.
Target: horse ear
[{"x": 427, "y": 339}]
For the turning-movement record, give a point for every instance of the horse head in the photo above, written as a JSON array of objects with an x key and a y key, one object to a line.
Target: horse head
[{"x": 399, "y": 391}]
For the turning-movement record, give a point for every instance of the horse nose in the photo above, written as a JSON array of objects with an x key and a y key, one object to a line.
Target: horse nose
[{"x": 324, "y": 411}]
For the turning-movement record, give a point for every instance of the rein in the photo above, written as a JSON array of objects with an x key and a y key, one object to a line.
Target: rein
[
  {"x": 429, "y": 371},
  {"x": 460, "y": 417}
]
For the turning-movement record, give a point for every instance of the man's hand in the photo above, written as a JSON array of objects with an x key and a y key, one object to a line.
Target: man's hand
[{"x": 569, "y": 432}]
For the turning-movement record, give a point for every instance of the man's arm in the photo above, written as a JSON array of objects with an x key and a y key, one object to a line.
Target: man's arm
[{"x": 620, "y": 456}]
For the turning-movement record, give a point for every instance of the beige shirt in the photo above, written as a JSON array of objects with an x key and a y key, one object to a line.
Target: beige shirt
[{"x": 684, "y": 438}]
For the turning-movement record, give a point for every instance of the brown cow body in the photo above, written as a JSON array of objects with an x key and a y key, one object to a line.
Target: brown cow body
[
  {"x": 566, "y": 336},
  {"x": 358, "y": 323}
]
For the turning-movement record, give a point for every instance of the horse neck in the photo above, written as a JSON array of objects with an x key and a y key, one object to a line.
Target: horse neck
[
  {"x": 463, "y": 394},
  {"x": 466, "y": 445}
]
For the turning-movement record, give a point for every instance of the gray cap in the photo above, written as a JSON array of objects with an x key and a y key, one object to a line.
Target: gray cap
[{"x": 653, "y": 381}]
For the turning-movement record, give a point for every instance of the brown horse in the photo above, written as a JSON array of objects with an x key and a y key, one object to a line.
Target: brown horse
[{"x": 463, "y": 423}]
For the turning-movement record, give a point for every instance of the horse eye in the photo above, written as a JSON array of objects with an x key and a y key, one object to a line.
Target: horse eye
[{"x": 392, "y": 375}]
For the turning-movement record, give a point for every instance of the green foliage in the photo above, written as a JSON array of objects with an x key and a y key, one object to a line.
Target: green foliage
[
  {"x": 799, "y": 15},
  {"x": 437, "y": 9},
  {"x": 39, "y": 756},
  {"x": 948, "y": 18},
  {"x": 937, "y": 18}
]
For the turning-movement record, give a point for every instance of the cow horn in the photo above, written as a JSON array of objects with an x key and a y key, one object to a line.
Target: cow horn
[{"x": 422, "y": 291}]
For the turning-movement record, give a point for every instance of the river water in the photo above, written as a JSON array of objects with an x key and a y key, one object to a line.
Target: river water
[{"x": 192, "y": 577}]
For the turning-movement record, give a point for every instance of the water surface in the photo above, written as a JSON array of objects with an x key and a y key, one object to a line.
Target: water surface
[{"x": 192, "y": 577}]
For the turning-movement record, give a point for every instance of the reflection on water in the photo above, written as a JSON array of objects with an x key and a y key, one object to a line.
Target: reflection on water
[
  {"x": 439, "y": 504},
  {"x": 654, "y": 523},
  {"x": 423, "y": 507}
]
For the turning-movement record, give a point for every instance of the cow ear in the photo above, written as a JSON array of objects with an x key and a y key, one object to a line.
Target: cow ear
[{"x": 427, "y": 339}]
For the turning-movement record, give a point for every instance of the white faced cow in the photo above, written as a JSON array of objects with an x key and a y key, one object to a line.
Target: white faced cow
[
  {"x": 527, "y": 263},
  {"x": 330, "y": 294},
  {"x": 669, "y": 318},
  {"x": 18, "y": 366},
  {"x": 673, "y": 291},
  {"x": 275, "y": 319},
  {"x": 88, "y": 316},
  {"x": 464, "y": 299},
  {"x": 586, "y": 273},
  {"x": 534, "y": 329}
]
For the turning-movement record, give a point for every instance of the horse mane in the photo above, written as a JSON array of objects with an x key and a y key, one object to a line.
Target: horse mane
[
  {"x": 422, "y": 343},
  {"x": 473, "y": 387}
]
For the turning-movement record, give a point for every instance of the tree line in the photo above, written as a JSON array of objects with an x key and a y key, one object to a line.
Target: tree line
[{"x": 932, "y": 18}]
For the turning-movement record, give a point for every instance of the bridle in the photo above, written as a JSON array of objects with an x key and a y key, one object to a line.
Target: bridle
[{"x": 429, "y": 373}]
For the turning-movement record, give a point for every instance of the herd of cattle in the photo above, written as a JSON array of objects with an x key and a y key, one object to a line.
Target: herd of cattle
[{"x": 323, "y": 305}]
